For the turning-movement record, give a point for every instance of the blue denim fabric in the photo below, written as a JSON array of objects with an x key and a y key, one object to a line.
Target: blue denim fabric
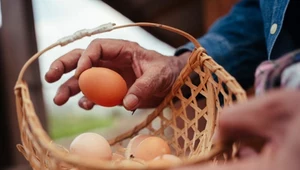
[{"x": 242, "y": 39}]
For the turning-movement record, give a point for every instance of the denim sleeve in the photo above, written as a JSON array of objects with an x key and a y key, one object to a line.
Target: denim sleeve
[{"x": 236, "y": 41}]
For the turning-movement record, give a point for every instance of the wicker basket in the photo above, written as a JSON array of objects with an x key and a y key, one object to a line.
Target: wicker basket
[{"x": 186, "y": 124}]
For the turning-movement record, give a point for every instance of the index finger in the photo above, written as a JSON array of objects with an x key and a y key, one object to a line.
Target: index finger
[
  {"x": 63, "y": 64},
  {"x": 104, "y": 49}
]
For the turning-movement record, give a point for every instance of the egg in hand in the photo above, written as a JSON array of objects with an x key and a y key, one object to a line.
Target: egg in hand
[{"x": 103, "y": 86}]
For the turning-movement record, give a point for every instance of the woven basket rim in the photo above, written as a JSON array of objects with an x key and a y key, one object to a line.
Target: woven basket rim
[{"x": 198, "y": 54}]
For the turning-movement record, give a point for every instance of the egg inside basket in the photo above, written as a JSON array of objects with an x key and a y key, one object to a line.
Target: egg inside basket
[{"x": 186, "y": 121}]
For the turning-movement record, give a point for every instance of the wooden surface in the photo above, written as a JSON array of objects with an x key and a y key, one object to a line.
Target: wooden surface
[
  {"x": 192, "y": 16},
  {"x": 214, "y": 9},
  {"x": 177, "y": 13},
  {"x": 18, "y": 43}
]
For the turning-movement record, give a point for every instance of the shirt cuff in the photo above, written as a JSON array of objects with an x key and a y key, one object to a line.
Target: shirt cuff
[{"x": 214, "y": 44}]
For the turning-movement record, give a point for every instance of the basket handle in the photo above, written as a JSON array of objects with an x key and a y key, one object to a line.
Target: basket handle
[{"x": 97, "y": 30}]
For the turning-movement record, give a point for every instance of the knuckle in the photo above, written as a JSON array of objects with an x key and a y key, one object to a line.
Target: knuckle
[
  {"x": 95, "y": 41},
  {"x": 129, "y": 48},
  {"x": 143, "y": 86},
  {"x": 62, "y": 88},
  {"x": 127, "y": 42},
  {"x": 136, "y": 51},
  {"x": 166, "y": 70},
  {"x": 133, "y": 44},
  {"x": 77, "y": 51},
  {"x": 167, "y": 78}
]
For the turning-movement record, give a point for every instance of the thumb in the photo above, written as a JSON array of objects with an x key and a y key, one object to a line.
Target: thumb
[{"x": 143, "y": 88}]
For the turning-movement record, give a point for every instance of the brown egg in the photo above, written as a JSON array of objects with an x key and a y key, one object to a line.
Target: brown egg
[
  {"x": 133, "y": 143},
  {"x": 103, "y": 86},
  {"x": 166, "y": 160},
  {"x": 150, "y": 148},
  {"x": 92, "y": 146}
]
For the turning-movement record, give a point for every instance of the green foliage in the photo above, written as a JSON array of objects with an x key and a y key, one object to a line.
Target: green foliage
[{"x": 63, "y": 125}]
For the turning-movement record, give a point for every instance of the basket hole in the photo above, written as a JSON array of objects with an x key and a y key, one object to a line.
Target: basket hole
[
  {"x": 202, "y": 123},
  {"x": 188, "y": 151},
  {"x": 222, "y": 99},
  {"x": 168, "y": 132},
  {"x": 156, "y": 124},
  {"x": 181, "y": 142},
  {"x": 195, "y": 78},
  {"x": 180, "y": 122},
  {"x": 201, "y": 101},
  {"x": 175, "y": 99},
  {"x": 186, "y": 91},
  {"x": 225, "y": 87},
  {"x": 215, "y": 77},
  {"x": 145, "y": 131},
  {"x": 191, "y": 133},
  {"x": 167, "y": 114},
  {"x": 234, "y": 98},
  {"x": 197, "y": 141},
  {"x": 190, "y": 112},
  {"x": 176, "y": 103},
  {"x": 223, "y": 94}
]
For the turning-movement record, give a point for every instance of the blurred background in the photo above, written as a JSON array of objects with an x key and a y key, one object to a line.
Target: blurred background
[{"x": 28, "y": 26}]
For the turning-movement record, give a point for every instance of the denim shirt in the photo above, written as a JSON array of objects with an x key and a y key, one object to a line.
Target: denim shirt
[{"x": 248, "y": 35}]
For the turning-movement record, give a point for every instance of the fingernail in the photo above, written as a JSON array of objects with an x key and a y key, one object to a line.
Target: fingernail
[
  {"x": 133, "y": 111},
  {"x": 130, "y": 101},
  {"x": 84, "y": 105}
]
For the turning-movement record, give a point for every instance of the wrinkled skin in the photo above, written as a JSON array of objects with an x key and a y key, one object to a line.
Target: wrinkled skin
[
  {"x": 273, "y": 118},
  {"x": 148, "y": 74}
]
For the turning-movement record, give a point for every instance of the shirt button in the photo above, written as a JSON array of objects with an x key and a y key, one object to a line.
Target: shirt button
[{"x": 273, "y": 28}]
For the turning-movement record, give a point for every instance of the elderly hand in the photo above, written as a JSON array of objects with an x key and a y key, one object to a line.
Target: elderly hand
[
  {"x": 273, "y": 118},
  {"x": 148, "y": 74}
]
